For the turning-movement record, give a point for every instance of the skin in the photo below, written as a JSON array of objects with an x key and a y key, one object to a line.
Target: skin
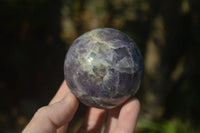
[{"x": 55, "y": 117}]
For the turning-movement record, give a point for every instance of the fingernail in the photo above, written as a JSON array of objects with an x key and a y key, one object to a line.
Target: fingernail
[
  {"x": 69, "y": 98},
  {"x": 65, "y": 98}
]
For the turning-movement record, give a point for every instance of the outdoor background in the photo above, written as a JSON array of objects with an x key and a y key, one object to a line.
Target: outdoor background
[{"x": 35, "y": 36}]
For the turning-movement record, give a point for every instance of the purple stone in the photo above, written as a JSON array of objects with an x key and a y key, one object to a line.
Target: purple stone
[{"x": 103, "y": 68}]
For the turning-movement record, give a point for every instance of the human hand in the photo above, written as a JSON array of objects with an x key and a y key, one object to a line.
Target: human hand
[{"x": 55, "y": 117}]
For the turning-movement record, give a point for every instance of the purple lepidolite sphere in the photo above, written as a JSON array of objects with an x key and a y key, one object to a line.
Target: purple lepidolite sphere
[{"x": 103, "y": 68}]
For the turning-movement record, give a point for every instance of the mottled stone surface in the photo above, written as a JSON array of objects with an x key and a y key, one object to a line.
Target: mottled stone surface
[{"x": 103, "y": 68}]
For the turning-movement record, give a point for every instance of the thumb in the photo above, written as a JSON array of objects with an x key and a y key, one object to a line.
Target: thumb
[{"x": 49, "y": 118}]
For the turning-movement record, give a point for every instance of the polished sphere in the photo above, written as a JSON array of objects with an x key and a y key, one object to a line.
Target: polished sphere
[{"x": 103, "y": 68}]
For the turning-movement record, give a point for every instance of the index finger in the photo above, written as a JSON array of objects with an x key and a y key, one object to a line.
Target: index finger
[
  {"x": 62, "y": 91},
  {"x": 128, "y": 116}
]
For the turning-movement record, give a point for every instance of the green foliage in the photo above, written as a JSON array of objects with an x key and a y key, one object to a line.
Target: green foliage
[{"x": 167, "y": 126}]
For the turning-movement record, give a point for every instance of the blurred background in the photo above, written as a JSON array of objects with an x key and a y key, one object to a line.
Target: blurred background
[{"x": 35, "y": 36}]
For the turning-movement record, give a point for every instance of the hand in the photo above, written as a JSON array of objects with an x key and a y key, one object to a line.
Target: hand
[{"x": 56, "y": 116}]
